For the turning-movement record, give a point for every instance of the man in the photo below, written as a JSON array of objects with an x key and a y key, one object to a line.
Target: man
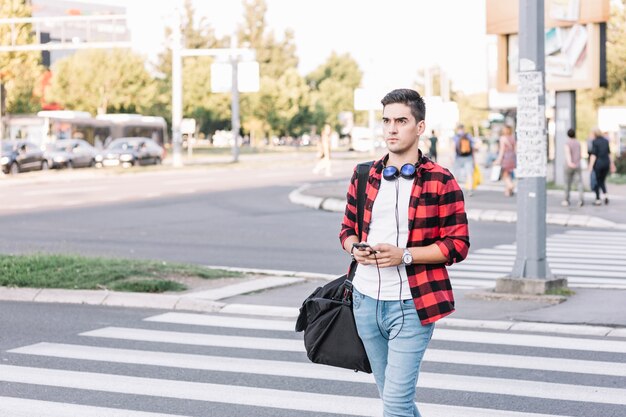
[
  {"x": 414, "y": 223},
  {"x": 573, "y": 168},
  {"x": 464, "y": 145}
]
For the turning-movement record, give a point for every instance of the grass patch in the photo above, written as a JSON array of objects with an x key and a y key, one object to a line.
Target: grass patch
[
  {"x": 79, "y": 272},
  {"x": 148, "y": 285},
  {"x": 566, "y": 292}
]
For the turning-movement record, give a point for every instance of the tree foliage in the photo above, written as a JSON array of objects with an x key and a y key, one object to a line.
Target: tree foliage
[
  {"x": 614, "y": 94},
  {"x": 282, "y": 90},
  {"x": 101, "y": 81},
  {"x": 333, "y": 84},
  {"x": 211, "y": 111},
  {"x": 19, "y": 71}
]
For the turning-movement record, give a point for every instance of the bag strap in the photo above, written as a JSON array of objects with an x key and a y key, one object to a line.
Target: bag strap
[{"x": 363, "y": 172}]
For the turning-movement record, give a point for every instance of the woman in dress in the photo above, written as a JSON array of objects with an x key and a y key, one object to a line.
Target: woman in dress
[{"x": 507, "y": 159}]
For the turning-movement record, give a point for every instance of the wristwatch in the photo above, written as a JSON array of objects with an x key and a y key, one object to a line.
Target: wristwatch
[{"x": 407, "y": 258}]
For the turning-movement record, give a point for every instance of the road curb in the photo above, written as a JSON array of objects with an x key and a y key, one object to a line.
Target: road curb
[
  {"x": 187, "y": 302},
  {"x": 299, "y": 197}
]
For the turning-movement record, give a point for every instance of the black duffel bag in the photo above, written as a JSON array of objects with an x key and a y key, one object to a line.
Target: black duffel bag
[
  {"x": 326, "y": 317},
  {"x": 330, "y": 335}
]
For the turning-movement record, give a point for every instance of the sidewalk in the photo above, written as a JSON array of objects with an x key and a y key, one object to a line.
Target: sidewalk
[{"x": 488, "y": 203}]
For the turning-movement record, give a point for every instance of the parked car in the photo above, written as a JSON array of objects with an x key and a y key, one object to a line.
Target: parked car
[
  {"x": 20, "y": 156},
  {"x": 72, "y": 153},
  {"x": 132, "y": 151}
]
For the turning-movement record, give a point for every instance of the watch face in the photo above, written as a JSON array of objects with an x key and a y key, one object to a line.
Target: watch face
[{"x": 407, "y": 258}]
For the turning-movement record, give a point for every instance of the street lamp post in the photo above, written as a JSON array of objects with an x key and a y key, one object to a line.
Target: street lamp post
[{"x": 177, "y": 91}]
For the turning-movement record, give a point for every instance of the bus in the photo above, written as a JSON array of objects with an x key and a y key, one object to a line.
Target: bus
[
  {"x": 135, "y": 125},
  {"x": 48, "y": 126}
]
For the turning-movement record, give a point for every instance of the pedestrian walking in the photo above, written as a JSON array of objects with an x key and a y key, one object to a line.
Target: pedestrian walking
[
  {"x": 414, "y": 224},
  {"x": 432, "y": 151},
  {"x": 600, "y": 164},
  {"x": 323, "y": 146},
  {"x": 507, "y": 159},
  {"x": 573, "y": 169},
  {"x": 464, "y": 145}
]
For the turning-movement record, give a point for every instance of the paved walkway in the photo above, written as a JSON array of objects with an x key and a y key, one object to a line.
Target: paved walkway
[{"x": 488, "y": 203}]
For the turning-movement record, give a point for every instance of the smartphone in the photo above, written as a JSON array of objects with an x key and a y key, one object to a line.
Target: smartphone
[{"x": 363, "y": 246}]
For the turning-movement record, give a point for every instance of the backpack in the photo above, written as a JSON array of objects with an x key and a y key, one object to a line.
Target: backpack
[{"x": 464, "y": 147}]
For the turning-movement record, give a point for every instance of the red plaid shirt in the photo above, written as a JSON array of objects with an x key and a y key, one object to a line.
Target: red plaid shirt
[{"x": 436, "y": 215}]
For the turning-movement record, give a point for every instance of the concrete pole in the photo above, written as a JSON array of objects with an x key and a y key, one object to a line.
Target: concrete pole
[
  {"x": 177, "y": 89},
  {"x": 531, "y": 260},
  {"x": 234, "y": 105},
  {"x": 531, "y": 272},
  {"x": 565, "y": 119}
]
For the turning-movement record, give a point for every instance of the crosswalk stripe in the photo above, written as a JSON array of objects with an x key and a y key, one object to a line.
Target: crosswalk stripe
[
  {"x": 552, "y": 253},
  {"x": 230, "y": 394},
  {"x": 568, "y": 248},
  {"x": 310, "y": 370},
  {"x": 600, "y": 240},
  {"x": 471, "y": 265},
  {"x": 575, "y": 258},
  {"x": 524, "y": 388},
  {"x": 263, "y": 343},
  {"x": 273, "y": 398},
  {"x": 550, "y": 342},
  {"x": 289, "y": 345},
  {"x": 571, "y": 273},
  {"x": 20, "y": 407},
  {"x": 222, "y": 321},
  {"x": 588, "y": 233},
  {"x": 474, "y": 274}
]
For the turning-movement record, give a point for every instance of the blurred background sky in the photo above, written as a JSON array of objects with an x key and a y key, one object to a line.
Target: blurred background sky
[{"x": 390, "y": 39}]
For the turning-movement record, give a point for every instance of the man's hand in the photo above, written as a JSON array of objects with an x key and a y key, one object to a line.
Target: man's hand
[{"x": 386, "y": 255}]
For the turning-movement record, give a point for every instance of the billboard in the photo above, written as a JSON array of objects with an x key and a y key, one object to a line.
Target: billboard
[{"x": 575, "y": 38}]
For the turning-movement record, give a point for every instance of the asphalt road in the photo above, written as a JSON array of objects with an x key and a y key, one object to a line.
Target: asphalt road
[{"x": 238, "y": 217}]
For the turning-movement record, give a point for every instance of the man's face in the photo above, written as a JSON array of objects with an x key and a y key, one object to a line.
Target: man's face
[{"x": 400, "y": 129}]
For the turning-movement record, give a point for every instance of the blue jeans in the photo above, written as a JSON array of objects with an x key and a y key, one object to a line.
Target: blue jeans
[{"x": 395, "y": 363}]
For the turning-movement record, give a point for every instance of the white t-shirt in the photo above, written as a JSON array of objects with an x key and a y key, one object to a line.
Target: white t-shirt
[{"x": 385, "y": 229}]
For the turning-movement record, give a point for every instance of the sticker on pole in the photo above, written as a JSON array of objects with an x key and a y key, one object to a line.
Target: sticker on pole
[{"x": 532, "y": 144}]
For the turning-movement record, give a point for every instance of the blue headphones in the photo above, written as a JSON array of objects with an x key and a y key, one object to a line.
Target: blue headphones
[{"x": 407, "y": 172}]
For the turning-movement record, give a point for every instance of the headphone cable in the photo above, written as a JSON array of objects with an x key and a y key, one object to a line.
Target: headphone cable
[{"x": 397, "y": 269}]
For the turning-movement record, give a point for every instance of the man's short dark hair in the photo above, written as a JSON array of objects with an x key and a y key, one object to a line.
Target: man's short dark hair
[
  {"x": 571, "y": 133},
  {"x": 409, "y": 97}
]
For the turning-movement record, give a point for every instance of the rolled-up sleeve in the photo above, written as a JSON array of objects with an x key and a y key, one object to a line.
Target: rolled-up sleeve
[
  {"x": 453, "y": 229},
  {"x": 349, "y": 226}
]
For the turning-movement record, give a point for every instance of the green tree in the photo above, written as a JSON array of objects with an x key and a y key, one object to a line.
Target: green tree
[
  {"x": 277, "y": 108},
  {"x": 211, "y": 111},
  {"x": 333, "y": 84},
  {"x": 588, "y": 101},
  {"x": 100, "y": 81},
  {"x": 19, "y": 71}
]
